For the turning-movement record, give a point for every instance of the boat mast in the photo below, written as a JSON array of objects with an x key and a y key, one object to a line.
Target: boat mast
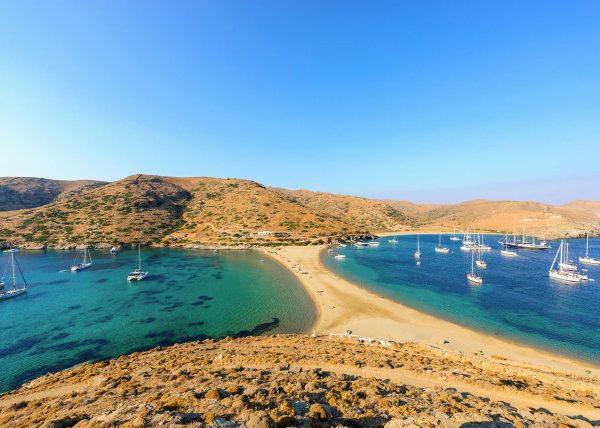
[
  {"x": 587, "y": 244},
  {"x": 139, "y": 257},
  {"x": 556, "y": 256},
  {"x": 14, "y": 274}
]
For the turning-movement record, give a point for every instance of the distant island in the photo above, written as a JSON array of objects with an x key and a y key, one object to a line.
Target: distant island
[{"x": 212, "y": 212}]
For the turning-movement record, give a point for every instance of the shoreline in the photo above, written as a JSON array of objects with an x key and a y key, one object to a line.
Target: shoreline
[{"x": 343, "y": 305}]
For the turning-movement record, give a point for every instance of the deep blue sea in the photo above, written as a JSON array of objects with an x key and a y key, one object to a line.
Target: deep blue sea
[
  {"x": 517, "y": 300},
  {"x": 67, "y": 318}
]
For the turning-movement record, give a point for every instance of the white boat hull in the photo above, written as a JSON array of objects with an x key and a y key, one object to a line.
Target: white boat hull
[
  {"x": 137, "y": 276},
  {"x": 481, "y": 264},
  {"x": 589, "y": 261},
  {"x": 443, "y": 250},
  {"x": 12, "y": 293},
  {"x": 80, "y": 266},
  {"x": 508, "y": 253},
  {"x": 565, "y": 276},
  {"x": 340, "y": 256},
  {"x": 474, "y": 278}
]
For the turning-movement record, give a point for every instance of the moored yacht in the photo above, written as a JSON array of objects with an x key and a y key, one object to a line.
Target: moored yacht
[
  {"x": 15, "y": 290},
  {"x": 567, "y": 264},
  {"x": 472, "y": 276},
  {"x": 441, "y": 248},
  {"x": 454, "y": 237},
  {"x": 528, "y": 245},
  {"x": 505, "y": 251},
  {"x": 560, "y": 273},
  {"x": 418, "y": 252},
  {"x": 85, "y": 263},
  {"x": 587, "y": 259},
  {"x": 480, "y": 262},
  {"x": 138, "y": 274}
]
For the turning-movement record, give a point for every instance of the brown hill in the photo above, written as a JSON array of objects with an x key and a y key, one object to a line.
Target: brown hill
[
  {"x": 168, "y": 210},
  {"x": 136, "y": 208},
  {"x": 26, "y": 192},
  {"x": 363, "y": 213},
  {"x": 507, "y": 216},
  {"x": 210, "y": 211},
  {"x": 226, "y": 211},
  {"x": 300, "y": 381}
]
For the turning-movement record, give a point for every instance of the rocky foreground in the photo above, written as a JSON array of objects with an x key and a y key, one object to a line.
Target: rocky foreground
[{"x": 301, "y": 381}]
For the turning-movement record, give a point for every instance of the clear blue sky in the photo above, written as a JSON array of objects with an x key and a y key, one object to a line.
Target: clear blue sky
[{"x": 425, "y": 100}]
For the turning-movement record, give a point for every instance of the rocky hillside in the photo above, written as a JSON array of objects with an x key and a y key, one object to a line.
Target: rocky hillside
[
  {"x": 25, "y": 192},
  {"x": 300, "y": 381},
  {"x": 364, "y": 213},
  {"x": 137, "y": 208},
  {"x": 172, "y": 211},
  {"x": 226, "y": 211},
  {"x": 205, "y": 211},
  {"x": 571, "y": 220}
]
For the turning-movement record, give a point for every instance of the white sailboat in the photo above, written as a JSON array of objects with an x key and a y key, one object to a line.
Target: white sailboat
[
  {"x": 85, "y": 263},
  {"x": 505, "y": 251},
  {"x": 340, "y": 256},
  {"x": 559, "y": 272},
  {"x": 138, "y": 274},
  {"x": 418, "y": 252},
  {"x": 467, "y": 243},
  {"x": 472, "y": 276},
  {"x": 440, "y": 248},
  {"x": 454, "y": 237},
  {"x": 587, "y": 259},
  {"x": 567, "y": 264},
  {"x": 14, "y": 290},
  {"x": 481, "y": 246},
  {"x": 480, "y": 262},
  {"x": 394, "y": 240}
]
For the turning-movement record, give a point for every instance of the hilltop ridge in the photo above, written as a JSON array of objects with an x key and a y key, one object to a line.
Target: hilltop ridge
[
  {"x": 205, "y": 211},
  {"x": 28, "y": 192}
]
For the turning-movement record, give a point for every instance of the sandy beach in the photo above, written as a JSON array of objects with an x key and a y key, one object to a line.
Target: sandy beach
[{"x": 343, "y": 305}]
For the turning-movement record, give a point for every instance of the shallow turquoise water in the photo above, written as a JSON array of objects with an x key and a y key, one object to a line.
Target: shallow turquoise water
[
  {"x": 67, "y": 318},
  {"x": 517, "y": 300}
]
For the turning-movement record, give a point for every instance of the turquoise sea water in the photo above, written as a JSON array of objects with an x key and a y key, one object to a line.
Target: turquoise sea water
[
  {"x": 517, "y": 300},
  {"x": 67, "y": 318}
]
